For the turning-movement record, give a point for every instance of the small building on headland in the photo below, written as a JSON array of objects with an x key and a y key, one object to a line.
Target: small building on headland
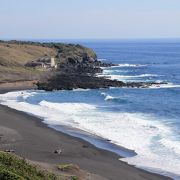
[{"x": 43, "y": 62}]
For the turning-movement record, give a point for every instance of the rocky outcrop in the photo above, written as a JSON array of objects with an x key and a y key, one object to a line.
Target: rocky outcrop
[
  {"x": 74, "y": 81},
  {"x": 84, "y": 81}
]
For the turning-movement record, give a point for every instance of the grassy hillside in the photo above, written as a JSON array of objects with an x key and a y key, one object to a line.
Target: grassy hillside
[
  {"x": 19, "y": 54},
  {"x": 14, "y": 56}
]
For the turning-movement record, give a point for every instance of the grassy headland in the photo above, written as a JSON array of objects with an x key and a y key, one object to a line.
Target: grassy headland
[{"x": 14, "y": 55}]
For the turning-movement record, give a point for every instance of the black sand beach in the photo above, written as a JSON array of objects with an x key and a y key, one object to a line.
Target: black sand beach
[{"x": 32, "y": 139}]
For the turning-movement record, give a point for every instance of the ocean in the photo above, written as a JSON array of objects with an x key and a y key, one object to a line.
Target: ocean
[{"x": 140, "y": 124}]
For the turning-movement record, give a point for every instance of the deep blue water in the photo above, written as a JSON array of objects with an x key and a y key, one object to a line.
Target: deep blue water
[
  {"x": 159, "y": 58},
  {"x": 163, "y": 58}
]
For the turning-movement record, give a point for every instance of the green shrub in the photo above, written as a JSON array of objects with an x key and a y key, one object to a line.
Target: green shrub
[
  {"x": 13, "y": 167},
  {"x": 7, "y": 175},
  {"x": 74, "y": 178}
]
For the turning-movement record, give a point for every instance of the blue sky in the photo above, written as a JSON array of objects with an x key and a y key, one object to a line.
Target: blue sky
[{"x": 62, "y": 19}]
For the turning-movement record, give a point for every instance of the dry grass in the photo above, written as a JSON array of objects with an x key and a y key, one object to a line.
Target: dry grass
[{"x": 14, "y": 56}]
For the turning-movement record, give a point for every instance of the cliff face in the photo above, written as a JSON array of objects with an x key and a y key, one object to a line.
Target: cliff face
[
  {"x": 73, "y": 58},
  {"x": 76, "y": 59},
  {"x": 71, "y": 53}
]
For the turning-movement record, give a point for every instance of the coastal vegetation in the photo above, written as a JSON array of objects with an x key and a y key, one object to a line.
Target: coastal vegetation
[{"x": 14, "y": 167}]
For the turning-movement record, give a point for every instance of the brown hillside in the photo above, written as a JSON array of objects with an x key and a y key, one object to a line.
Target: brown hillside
[{"x": 14, "y": 56}]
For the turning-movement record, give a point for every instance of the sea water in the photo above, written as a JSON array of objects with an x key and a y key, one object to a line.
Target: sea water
[{"x": 146, "y": 120}]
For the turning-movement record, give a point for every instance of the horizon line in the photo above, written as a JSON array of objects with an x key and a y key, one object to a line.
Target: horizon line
[{"x": 88, "y": 39}]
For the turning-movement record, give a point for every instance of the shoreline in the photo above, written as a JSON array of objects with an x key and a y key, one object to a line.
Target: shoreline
[
  {"x": 91, "y": 158},
  {"x": 97, "y": 141}
]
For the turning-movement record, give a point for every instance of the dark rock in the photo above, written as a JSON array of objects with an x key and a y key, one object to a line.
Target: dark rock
[
  {"x": 69, "y": 81},
  {"x": 58, "y": 151},
  {"x": 74, "y": 81},
  {"x": 108, "y": 140},
  {"x": 85, "y": 146}
]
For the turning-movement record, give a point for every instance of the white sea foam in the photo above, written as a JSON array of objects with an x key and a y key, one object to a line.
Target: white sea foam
[
  {"x": 111, "y": 71},
  {"x": 172, "y": 145},
  {"x": 136, "y": 131},
  {"x": 126, "y": 77},
  {"x": 102, "y": 59},
  {"x": 109, "y": 75},
  {"x": 148, "y": 75},
  {"x": 132, "y": 65},
  {"x": 80, "y": 89},
  {"x": 168, "y": 85},
  {"x": 108, "y": 97}
]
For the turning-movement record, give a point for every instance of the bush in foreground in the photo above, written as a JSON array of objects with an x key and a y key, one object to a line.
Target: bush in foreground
[{"x": 13, "y": 167}]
